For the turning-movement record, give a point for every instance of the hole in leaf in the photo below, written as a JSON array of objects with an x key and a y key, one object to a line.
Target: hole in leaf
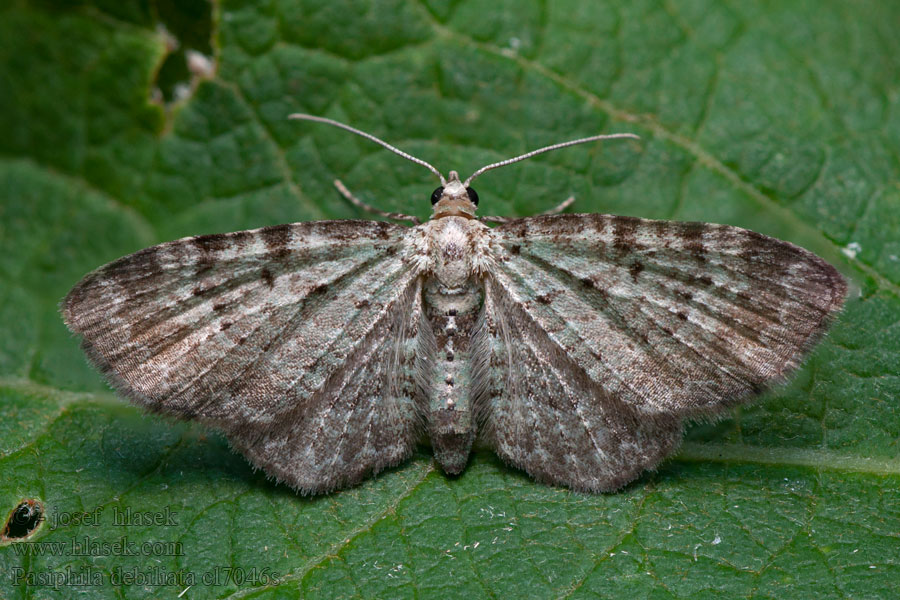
[
  {"x": 23, "y": 520},
  {"x": 187, "y": 26}
]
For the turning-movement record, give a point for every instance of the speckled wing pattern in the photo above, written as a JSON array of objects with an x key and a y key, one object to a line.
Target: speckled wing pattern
[
  {"x": 298, "y": 341},
  {"x": 543, "y": 414},
  {"x": 605, "y": 331},
  {"x": 579, "y": 343}
]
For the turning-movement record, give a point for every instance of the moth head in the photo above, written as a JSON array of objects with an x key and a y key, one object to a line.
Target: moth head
[{"x": 454, "y": 199}]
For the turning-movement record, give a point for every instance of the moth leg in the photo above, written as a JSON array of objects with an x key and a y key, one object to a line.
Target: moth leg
[
  {"x": 489, "y": 219},
  {"x": 368, "y": 207},
  {"x": 560, "y": 207},
  {"x": 553, "y": 211}
]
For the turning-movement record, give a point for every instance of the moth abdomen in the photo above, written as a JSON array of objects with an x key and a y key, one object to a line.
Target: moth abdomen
[
  {"x": 452, "y": 299},
  {"x": 452, "y": 433}
]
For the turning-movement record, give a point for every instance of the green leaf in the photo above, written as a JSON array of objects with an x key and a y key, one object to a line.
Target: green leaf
[{"x": 781, "y": 117}]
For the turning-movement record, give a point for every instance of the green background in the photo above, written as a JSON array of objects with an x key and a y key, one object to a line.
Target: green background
[{"x": 780, "y": 116}]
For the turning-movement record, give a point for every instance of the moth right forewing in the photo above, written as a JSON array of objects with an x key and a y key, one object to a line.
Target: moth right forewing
[
  {"x": 324, "y": 334},
  {"x": 190, "y": 327}
]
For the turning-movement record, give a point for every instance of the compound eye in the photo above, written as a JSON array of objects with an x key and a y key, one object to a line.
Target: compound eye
[
  {"x": 473, "y": 196},
  {"x": 436, "y": 195}
]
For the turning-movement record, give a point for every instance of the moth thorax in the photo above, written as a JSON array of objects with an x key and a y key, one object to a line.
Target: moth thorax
[{"x": 452, "y": 252}]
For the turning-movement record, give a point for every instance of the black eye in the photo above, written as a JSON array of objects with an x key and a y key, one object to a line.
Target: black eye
[
  {"x": 473, "y": 196},
  {"x": 436, "y": 195}
]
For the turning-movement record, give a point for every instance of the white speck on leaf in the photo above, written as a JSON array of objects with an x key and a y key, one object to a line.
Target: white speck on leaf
[
  {"x": 169, "y": 40},
  {"x": 513, "y": 48},
  {"x": 181, "y": 91},
  {"x": 852, "y": 249},
  {"x": 200, "y": 65}
]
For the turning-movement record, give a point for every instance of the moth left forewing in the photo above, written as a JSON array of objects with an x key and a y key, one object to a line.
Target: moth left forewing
[{"x": 676, "y": 318}]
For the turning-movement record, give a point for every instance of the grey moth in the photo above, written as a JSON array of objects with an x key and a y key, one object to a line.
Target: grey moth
[{"x": 572, "y": 345}]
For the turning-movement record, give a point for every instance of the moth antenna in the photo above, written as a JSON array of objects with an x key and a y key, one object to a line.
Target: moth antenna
[
  {"x": 509, "y": 161},
  {"x": 369, "y": 136}
]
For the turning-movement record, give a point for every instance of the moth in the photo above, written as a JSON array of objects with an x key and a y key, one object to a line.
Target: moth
[{"x": 572, "y": 345}]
